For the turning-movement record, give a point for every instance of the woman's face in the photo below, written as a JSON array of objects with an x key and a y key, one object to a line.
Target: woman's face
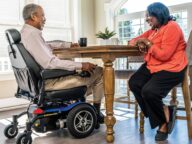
[{"x": 152, "y": 21}]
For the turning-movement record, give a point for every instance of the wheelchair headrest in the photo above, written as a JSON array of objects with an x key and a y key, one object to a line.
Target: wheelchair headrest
[{"x": 13, "y": 36}]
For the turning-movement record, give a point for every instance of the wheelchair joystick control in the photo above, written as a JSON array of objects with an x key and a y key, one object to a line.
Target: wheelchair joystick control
[{"x": 84, "y": 74}]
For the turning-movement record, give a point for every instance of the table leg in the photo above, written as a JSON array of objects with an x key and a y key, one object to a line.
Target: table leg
[{"x": 109, "y": 85}]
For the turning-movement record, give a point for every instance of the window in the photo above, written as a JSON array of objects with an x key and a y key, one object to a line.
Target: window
[
  {"x": 58, "y": 24},
  {"x": 121, "y": 87},
  {"x": 0, "y": 66},
  {"x": 133, "y": 6},
  {"x": 129, "y": 29},
  {"x": 10, "y": 11},
  {"x": 131, "y": 14},
  {"x": 121, "y": 64},
  {"x": 6, "y": 66},
  {"x": 181, "y": 18},
  {"x": 10, "y": 17}
]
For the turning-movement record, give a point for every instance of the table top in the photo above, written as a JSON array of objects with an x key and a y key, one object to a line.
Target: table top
[{"x": 97, "y": 51}]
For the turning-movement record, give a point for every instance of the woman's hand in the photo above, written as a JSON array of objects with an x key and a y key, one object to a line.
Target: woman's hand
[
  {"x": 142, "y": 47},
  {"x": 147, "y": 42},
  {"x": 143, "y": 44}
]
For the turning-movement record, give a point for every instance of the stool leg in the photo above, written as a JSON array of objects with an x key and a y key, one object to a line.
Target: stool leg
[
  {"x": 190, "y": 84},
  {"x": 173, "y": 100},
  {"x": 128, "y": 94},
  {"x": 129, "y": 99},
  {"x": 142, "y": 121},
  {"x": 187, "y": 100},
  {"x": 136, "y": 109}
]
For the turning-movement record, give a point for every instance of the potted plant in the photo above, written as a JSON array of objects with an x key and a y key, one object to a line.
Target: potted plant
[{"x": 106, "y": 37}]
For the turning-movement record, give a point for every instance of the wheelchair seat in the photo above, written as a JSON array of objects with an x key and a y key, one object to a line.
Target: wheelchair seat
[
  {"x": 66, "y": 94},
  {"x": 30, "y": 76}
]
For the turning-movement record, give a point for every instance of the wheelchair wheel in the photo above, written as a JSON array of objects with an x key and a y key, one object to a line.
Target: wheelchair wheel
[
  {"x": 22, "y": 139},
  {"x": 9, "y": 132},
  {"x": 81, "y": 121}
]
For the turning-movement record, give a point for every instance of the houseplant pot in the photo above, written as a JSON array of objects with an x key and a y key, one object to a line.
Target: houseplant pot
[{"x": 106, "y": 37}]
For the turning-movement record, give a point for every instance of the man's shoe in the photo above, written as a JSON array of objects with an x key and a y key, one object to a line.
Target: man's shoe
[
  {"x": 172, "y": 117},
  {"x": 161, "y": 136},
  {"x": 100, "y": 116}
]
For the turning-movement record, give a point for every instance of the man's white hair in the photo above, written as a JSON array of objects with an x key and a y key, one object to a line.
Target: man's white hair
[{"x": 29, "y": 10}]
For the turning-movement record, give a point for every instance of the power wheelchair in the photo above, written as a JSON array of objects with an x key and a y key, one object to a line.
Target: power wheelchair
[{"x": 48, "y": 110}]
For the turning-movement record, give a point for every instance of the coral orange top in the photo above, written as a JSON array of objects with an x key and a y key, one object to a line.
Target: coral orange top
[{"x": 168, "y": 49}]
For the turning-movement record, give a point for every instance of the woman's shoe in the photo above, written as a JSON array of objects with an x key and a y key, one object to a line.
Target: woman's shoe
[
  {"x": 161, "y": 136},
  {"x": 172, "y": 117}
]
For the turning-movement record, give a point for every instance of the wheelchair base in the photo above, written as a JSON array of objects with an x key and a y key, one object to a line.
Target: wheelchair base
[{"x": 79, "y": 117}]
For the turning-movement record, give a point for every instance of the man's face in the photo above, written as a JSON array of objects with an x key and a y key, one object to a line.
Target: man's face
[{"x": 39, "y": 18}]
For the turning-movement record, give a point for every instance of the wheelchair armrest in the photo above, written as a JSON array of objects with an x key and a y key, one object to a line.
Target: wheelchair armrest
[{"x": 55, "y": 73}]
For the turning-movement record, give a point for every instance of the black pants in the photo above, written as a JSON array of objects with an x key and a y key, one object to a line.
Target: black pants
[{"x": 149, "y": 90}]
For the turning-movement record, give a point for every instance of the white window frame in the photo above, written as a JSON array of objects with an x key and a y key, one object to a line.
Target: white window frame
[
  {"x": 129, "y": 17},
  {"x": 137, "y": 15},
  {"x": 8, "y": 75},
  {"x": 186, "y": 6},
  {"x": 20, "y": 20},
  {"x": 73, "y": 9}
]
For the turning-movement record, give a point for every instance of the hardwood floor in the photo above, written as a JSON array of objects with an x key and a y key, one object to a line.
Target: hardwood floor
[{"x": 126, "y": 131}]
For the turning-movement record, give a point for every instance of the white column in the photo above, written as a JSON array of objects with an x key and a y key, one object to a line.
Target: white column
[
  {"x": 109, "y": 14},
  {"x": 32, "y": 1},
  {"x": 87, "y": 20}
]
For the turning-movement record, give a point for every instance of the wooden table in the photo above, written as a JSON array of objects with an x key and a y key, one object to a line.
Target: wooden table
[{"x": 108, "y": 54}]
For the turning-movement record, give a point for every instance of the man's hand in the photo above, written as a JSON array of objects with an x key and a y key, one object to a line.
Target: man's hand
[{"x": 86, "y": 66}]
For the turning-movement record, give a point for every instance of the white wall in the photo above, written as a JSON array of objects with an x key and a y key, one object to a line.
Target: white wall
[
  {"x": 91, "y": 19},
  {"x": 8, "y": 88},
  {"x": 100, "y": 20},
  {"x": 87, "y": 20},
  {"x": 105, "y": 14}
]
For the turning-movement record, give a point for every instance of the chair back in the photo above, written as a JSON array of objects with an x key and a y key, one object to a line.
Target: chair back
[{"x": 26, "y": 70}]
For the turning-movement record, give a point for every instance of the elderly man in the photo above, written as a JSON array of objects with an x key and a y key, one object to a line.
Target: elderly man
[{"x": 31, "y": 37}]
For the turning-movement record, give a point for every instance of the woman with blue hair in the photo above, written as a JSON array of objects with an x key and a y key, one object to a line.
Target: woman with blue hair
[{"x": 165, "y": 59}]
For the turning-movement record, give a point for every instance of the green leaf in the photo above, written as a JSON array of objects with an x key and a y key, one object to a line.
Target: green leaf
[{"x": 105, "y": 35}]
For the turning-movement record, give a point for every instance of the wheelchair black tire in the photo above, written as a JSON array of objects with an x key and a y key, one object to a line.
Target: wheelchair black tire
[
  {"x": 9, "y": 133},
  {"x": 21, "y": 137},
  {"x": 71, "y": 119}
]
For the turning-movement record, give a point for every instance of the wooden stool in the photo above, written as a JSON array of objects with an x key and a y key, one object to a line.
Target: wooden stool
[{"x": 187, "y": 101}]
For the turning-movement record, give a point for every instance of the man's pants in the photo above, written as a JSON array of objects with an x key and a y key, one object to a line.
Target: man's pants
[
  {"x": 149, "y": 90},
  {"x": 94, "y": 84}
]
